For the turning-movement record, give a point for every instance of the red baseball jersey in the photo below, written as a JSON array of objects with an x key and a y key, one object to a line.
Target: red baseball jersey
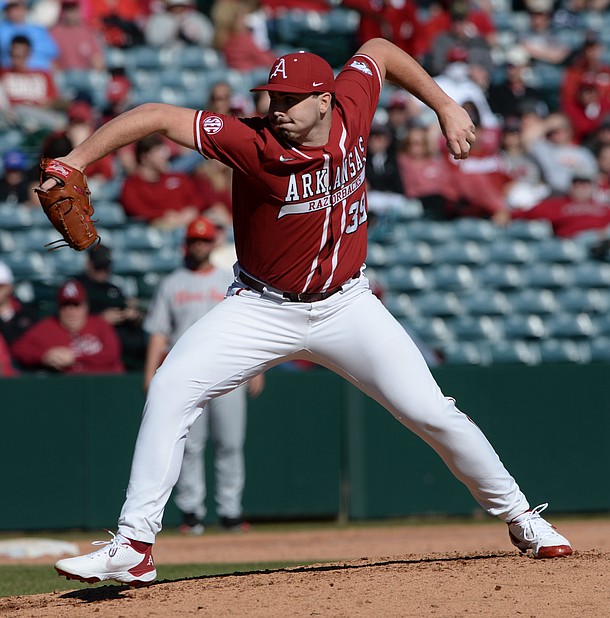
[{"x": 300, "y": 213}]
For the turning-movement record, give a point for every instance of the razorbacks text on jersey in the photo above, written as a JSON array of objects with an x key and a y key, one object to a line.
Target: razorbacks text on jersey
[{"x": 284, "y": 192}]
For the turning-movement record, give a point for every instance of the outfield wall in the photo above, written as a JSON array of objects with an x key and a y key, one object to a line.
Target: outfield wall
[{"x": 316, "y": 447}]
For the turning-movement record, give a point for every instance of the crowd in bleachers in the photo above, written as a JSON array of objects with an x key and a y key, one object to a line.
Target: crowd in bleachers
[{"x": 497, "y": 258}]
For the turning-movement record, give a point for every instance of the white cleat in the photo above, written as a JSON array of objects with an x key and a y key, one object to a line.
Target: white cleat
[
  {"x": 530, "y": 531},
  {"x": 117, "y": 560}
]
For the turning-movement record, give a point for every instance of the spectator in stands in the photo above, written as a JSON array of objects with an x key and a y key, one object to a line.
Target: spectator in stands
[
  {"x": 456, "y": 80},
  {"x": 574, "y": 212},
  {"x": 156, "y": 195},
  {"x": 234, "y": 39},
  {"x": 15, "y": 184},
  {"x": 526, "y": 187},
  {"x": 81, "y": 124},
  {"x": 24, "y": 85},
  {"x": 507, "y": 97},
  {"x": 73, "y": 341},
  {"x": 602, "y": 190},
  {"x": 587, "y": 108},
  {"x": 213, "y": 181},
  {"x": 15, "y": 317},
  {"x": 381, "y": 164},
  {"x": 541, "y": 41},
  {"x": 424, "y": 173},
  {"x": 461, "y": 36},
  {"x": 7, "y": 370},
  {"x": 80, "y": 47},
  {"x": 108, "y": 301},
  {"x": 588, "y": 61},
  {"x": 396, "y": 21},
  {"x": 120, "y": 22},
  {"x": 177, "y": 23},
  {"x": 15, "y": 23},
  {"x": 556, "y": 153}
]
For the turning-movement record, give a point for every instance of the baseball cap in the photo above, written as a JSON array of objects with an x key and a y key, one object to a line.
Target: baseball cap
[
  {"x": 201, "y": 228},
  {"x": 300, "y": 72},
  {"x": 457, "y": 54},
  {"x": 80, "y": 111},
  {"x": 583, "y": 174},
  {"x": 517, "y": 56},
  {"x": 15, "y": 160},
  {"x": 6, "y": 274},
  {"x": 100, "y": 258},
  {"x": 71, "y": 292}
]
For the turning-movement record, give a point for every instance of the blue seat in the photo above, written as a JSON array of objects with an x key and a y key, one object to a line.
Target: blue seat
[
  {"x": 600, "y": 349},
  {"x": 485, "y": 302},
  {"x": 459, "y": 252},
  {"x": 29, "y": 265},
  {"x": 564, "y": 351},
  {"x": 125, "y": 262},
  {"x": 511, "y": 251},
  {"x": 406, "y": 209},
  {"x": 529, "y": 230},
  {"x": 68, "y": 263},
  {"x": 569, "y": 325},
  {"x": 166, "y": 259},
  {"x": 400, "y": 305},
  {"x": 406, "y": 278},
  {"x": 452, "y": 277},
  {"x": 558, "y": 250},
  {"x": 531, "y": 300},
  {"x": 412, "y": 253},
  {"x": 438, "y": 304},
  {"x": 519, "y": 326},
  {"x": 584, "y": 300},
  {"x": 433, "y": 232},
  {"x": 434, "y": 332},
  {"x": 500, "y": 276},
  {"x": 14, "y": 217},
  {"x": 7, "y": 241},
  {"x": 465, "y": 353},
  {"x": 475, "y": 328},
  {"x": 470, "y": 228},
  {"x": 514, "y": 352},
  {"x": 110, "y": 214},
  {"x": 145, "y": 57},
  {"x": 138, "y": 237},
  {"x": 378, "y": 255},
  {"x": 592, "y": 274},
  {"x": 35, "y": 239},
  {"x": 550, "y": 276}
]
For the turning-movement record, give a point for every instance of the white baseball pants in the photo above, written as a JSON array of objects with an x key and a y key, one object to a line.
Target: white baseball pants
[
  {"x": 224, "y": 420},
  {"x": 351, "y": 333}
]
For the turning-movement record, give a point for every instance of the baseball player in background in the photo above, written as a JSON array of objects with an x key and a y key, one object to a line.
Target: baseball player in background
[
  {"x": 180, "y": 300},
  {"x": 300, "y": 228}
]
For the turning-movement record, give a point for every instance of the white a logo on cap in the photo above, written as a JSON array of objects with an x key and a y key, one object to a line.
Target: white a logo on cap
[{"x": 280, "y": 68}]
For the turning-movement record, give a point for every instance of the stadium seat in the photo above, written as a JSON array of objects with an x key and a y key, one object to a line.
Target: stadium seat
[
  {"x": 558, "y": 250},
  {"x": 452, "y": 277},
  {"x": 437, "y": 303},
  {"x": 564, "y": 351},
  {"x": 138, "y": 237},
  {"x": 569, "y": 325},
  {"x": 434, "y": 332},
  {"x": 110, "y": 214},
  {"x": 14, "y": 217},
  {"x": 126, "y": 262},
  {"x": 406, "y": 279},
  {"x": 500, "y": 276},
  {"x": 400, "y": 305},
  {"x": 465, "y": 353},
  {"x": 165, "y": 260},
  {"x": 485, "y": 302},
  {"x": 584, "y": 300},
  {"x": 28, "y": 265},
  {"x": 475, "y": 328},
  {"x": 459, "y": 252},
  {"x": 592, "y": 274},
  {"x": 470, "y": 228},
  {"x": 417, "y": 253},
  {"x": 529, "y": 230},
  {"x": 428, "y": 231},
  {"x": 7, "y": 242},
  {"x": 531, "y": 300},
  {"x": 511, "y": 251},
  {"x": 514, "y": 352},
  {"x": 35, "y": 239},
  {"x": 378, "y": 255},
  {"x": 407, "y": 209},
  {"x": 600, "y": 349},
  {"x": 549, "y": 276},
  {"x": 67, "y": 263},
  {"x": 518, "y": 326}
]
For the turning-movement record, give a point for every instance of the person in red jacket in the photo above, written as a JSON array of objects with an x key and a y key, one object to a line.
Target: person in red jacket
[
  {"x": 73, "y": 342},
  {"x": 155, "y": 194},
  {"x": 577, "y": 211}
]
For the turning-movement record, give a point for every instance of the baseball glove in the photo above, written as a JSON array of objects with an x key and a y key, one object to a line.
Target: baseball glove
[{"x": 67, "y": 205}]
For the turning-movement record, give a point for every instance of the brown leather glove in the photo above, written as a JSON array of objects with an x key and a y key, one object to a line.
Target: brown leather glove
[{"x": 68, "y": 204}]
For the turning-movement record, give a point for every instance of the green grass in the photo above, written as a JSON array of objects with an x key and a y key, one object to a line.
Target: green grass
[{"x": 37, "y": 579}]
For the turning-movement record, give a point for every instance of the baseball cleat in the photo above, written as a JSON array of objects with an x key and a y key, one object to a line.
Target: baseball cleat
[
  {"x": 530, "y": 531},
  {"x": 117, "y": 560}
]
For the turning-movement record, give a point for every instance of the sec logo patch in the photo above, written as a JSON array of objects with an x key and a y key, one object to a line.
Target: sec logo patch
[{"x": 212, "y": 125}]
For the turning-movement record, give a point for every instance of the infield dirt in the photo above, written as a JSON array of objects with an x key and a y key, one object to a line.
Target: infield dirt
[{"x": 443, "y": 570}]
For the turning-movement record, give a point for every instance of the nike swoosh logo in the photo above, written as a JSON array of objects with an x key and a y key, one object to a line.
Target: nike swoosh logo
[
  {"x": 315, "y": 84},
  {"x": 283, "y": 159}
]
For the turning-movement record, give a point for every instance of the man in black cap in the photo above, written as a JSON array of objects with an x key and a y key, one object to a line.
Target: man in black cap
[{"x": 108, "y": 300}]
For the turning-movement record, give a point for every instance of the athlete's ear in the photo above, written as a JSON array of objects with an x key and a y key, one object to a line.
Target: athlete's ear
[{"x": 325, "y": 101}]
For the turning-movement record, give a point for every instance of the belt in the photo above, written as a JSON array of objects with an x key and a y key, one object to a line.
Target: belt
[{"x": 295, "y": 297}]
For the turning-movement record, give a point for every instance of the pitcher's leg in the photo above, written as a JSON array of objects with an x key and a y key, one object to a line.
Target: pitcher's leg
[
  {"x": 238, "y": 339},
  {"x": 374, "y": 352},
  {"x": 190, "y": 490},
  {"x": 228, "y": 431}
]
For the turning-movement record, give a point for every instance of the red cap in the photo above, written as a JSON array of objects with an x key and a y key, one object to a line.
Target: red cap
[
  {"x": 80, "y": 111},
  {"x": 118, "y": 88},
  {"x": 300, "y": 72},
  {"x": 201, "y": 229},
  {"x": 71, "y": 292},
  {"x": 457, "y": 54}
]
